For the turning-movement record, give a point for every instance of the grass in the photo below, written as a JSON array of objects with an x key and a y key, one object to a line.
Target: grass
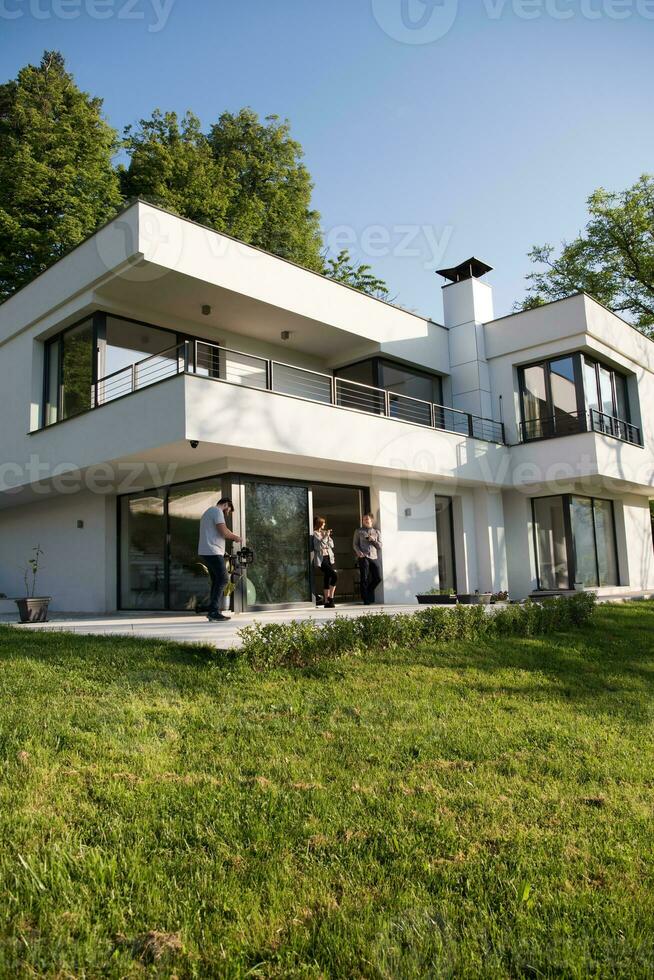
[{"x": 465, "y": 810}]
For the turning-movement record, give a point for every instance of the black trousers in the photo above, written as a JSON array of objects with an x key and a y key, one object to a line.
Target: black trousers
[
  {"x": 329, "y": 574},
  {"x": 370, "y": 578},
  {"x": 218, "y": 575}
]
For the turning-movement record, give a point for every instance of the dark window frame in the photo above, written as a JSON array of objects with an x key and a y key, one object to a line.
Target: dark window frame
[
  {"x": 378, "y": 361},
  {"x": 566, "y": 499},
  {"x": 227, "y": 482}
]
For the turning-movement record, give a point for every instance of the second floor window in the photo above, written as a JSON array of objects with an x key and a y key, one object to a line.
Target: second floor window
[{"x": 575, "y": 393}]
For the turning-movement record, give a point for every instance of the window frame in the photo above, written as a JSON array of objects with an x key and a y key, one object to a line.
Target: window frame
[{"x": 566, "y": 499}]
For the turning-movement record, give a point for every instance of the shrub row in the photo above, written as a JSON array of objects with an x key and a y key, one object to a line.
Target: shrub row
[{"x": 302, "y": 643}]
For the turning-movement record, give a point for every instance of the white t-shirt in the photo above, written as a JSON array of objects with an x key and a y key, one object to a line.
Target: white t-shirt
[{"x": 212, "y": 541}]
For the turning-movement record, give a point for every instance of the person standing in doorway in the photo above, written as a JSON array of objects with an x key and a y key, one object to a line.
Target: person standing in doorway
[
  {"x": 367, "y": 544},
  {"x": 211, "y": 549},
  {"x": 324, "y": 560}
]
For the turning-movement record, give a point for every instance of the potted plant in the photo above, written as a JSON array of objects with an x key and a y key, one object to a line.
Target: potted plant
[
  {"x": 468, "y": 598},
  {"x": 437, "y": 597},
  {"x": 500, "y": 597},
  {"x": 33, "y": 608}
]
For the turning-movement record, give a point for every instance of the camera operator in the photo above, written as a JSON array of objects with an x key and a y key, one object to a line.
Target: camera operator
[
  {"x": 211, "y": 548},
  {"x": 324, "y": 560},
  {"x": 367, "y": 545}
]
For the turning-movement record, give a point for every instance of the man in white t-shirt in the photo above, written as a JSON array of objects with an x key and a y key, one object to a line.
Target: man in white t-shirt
[{"x": 211, "y": 549}]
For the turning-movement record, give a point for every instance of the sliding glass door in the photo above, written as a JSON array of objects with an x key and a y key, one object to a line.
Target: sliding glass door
[
  {"x": 551, "y": 544},
  {"x": 277, "y": 530},
  {"x": 575, "y": 541},
  {"x": 143, "y": 551}
]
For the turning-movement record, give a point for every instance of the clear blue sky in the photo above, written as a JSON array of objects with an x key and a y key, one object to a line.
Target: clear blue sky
[{"x": 490, "y": 136}]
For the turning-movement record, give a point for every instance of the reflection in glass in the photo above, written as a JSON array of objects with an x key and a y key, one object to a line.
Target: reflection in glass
[
  {"x": 143, "y": 535},
  {"x": 534, "y": 401},
  {"x": 564, "y": 395},
  {"x": 583, "y": 540},
  {"x": 605, "y": 535},
  {"x": 590, "y": 385},
  {"x": 77, "y": 370},
  {"x": 444, "y": 541},
  {"x": 188, "y": 577},
  {"x": 550, "y": 539},
  {"x": 52, "y": 383},
  {"x": 277, "y": 529},
  {"x": 606, "y": 390},
  {"x": 128, "y": 343}
]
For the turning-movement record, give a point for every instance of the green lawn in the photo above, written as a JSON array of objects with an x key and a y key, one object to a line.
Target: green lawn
[{"x": 475, "y": 810}]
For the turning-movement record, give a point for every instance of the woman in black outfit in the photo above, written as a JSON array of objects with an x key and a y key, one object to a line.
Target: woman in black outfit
[{"x": 323, "y": 559}]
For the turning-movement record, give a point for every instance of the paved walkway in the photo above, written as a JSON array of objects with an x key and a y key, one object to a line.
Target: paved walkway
[{"x": 191, "y": 628}]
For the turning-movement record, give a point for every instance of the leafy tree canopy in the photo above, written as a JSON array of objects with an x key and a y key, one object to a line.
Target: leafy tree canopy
[
  {"x": 57, "y": 181},
  {"x": 613, "y": 258},
  {"x": 343, "y": 269},
  {"x": 171, "y": 164},
  {"x": 245, "y": 177}
]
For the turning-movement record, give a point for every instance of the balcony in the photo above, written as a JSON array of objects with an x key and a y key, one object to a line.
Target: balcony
[
  {"x": 556, "y": 426},
  {"x": 232, "y": 367}
]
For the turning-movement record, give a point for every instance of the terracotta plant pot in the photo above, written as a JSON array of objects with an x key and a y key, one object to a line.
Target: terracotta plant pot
[{"x": 33, "y": 610}]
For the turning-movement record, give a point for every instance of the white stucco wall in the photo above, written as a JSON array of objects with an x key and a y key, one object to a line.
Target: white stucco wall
[{"x": 78, "y": 567}]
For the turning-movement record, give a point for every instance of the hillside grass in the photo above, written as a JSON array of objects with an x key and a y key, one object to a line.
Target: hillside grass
[{"x": 469, "y": 809}]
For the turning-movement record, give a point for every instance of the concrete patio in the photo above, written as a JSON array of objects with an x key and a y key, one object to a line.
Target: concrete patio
[{"x": 191, "y": 628}]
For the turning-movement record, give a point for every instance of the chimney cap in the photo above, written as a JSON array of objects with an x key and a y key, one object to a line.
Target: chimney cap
[{"x": 470, "y": 269}]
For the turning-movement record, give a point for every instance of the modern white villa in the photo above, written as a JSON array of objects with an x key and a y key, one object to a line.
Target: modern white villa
[{"x": 161, "y": 365}]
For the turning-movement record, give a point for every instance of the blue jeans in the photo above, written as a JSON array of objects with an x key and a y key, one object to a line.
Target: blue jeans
[{"x": 218, "y": 575}]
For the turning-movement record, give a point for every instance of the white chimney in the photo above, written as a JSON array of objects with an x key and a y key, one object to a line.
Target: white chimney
[{"x": 467, "y": 305}]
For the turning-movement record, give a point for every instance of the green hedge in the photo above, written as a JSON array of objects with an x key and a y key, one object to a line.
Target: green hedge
[{"x": 301, "y": 643}]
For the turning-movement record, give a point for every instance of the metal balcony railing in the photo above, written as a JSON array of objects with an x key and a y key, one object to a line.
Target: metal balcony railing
[
  {"x": 566, "y": 424},
  {"x": 220, "y": 363}
]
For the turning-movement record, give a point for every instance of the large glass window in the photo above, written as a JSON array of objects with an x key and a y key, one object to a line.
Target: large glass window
[
  {"x": 575, "y": 542},
  {"x": 564, "y": 395},
  {"x": 607, "y": 559},
  {"x": 74, "y": 372},
  {"x": 551, "y": 548},
  {"x": 445, "y": 544},
  {"x": 583, "y": 540},
  {"x": 606, "y": 390},
  {"x": 52, "y": 364},
  {"x": 188, "y": 577},
  {"x": 550, "y": 395},
  {"x": 127, "y": 342},
  {"x": 143, "y": 538}
]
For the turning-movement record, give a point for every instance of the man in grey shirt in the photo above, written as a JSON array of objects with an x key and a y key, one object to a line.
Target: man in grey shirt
[
  {"x": 367, "y": 544},
  {"x": 211, "y": 549}
]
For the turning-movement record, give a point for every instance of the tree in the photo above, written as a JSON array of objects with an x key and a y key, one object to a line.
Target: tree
[
  {"x": 613, "y": 259},
  {"x": 342, "y": 269},
  {"x": 57, "y": 182},
  {"x": 172, "y": 164},
  {"x": 269, "y": 187}
]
